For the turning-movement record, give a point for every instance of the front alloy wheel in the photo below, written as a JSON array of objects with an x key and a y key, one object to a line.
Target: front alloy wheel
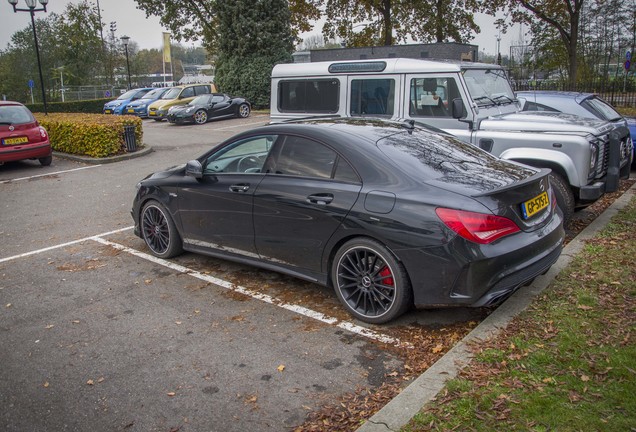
[
  {"x": 200, "y": 117},
  {"x": 159, "y": 232},
  {"x": 370, "y": 282},
  {"x": 244, "y": 111}
]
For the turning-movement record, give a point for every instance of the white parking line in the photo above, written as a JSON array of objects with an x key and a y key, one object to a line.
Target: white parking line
[
  {"x": 345, "y": 325},
  {"x": 309, "y": 313},
  {"x": 49, "y": 174},
  {"x": 35, "y": 252},
  {"x": 257, "y": 123}
]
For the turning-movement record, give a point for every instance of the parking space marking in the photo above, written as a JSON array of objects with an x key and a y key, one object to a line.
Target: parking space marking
[
  {"x": 46, "y": 249},
  {"x": 345, "y": 325},
  {"x": 256, "y": 123},
  {"x": 49, "y": 174}
]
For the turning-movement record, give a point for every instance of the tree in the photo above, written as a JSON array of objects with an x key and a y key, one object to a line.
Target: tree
[
  {"x": 563, "y": 16},
  {"x": 387, "y": 21},
  {"x": 253, "y": 37},
  {"x": 193, "y": 20}
]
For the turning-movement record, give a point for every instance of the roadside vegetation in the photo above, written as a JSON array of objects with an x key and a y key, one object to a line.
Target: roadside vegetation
[{"x": 568, "y": 363}]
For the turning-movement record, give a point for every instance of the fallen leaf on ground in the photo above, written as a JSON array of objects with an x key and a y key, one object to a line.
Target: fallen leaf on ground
[
  {"x": 90, "y": 382},
  {"x": 281, "y": 368},
  {"x": 171, "y": 394}
]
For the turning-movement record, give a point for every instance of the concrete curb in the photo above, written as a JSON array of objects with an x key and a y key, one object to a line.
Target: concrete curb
[
  {"x": 110, "y": 159},
  {"x": 399, "y": 411}
]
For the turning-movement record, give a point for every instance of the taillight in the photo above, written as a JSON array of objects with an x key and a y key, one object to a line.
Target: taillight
[
  {"x": 43, "y": 133},
  {"x": 477, "y": 227}
]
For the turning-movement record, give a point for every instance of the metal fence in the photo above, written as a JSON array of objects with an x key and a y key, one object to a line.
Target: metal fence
[
  {"x": 79, "y": 93},
  {"x": 618, "y": 92}
]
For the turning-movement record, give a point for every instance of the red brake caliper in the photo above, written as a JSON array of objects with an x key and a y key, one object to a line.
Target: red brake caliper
[{"x": 386, "y": 275}]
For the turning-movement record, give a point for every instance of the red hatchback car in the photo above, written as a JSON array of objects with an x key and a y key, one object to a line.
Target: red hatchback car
[{"x": 21, "y": 136}]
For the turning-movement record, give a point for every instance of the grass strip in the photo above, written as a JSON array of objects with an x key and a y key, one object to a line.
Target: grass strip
[{"x": 568, "y": 363}]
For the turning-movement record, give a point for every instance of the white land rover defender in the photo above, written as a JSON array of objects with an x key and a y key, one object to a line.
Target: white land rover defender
[{"x": 472, "y": 101}]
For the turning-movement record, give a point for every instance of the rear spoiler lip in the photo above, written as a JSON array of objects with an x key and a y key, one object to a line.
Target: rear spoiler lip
[{"x": 542, "y": 173}]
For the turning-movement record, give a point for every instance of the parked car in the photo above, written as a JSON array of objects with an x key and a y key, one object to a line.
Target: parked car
[
  {"x": 119, "y": 105},
  {"x": 181, "y": 95},
  {"x": 586, "y": 105},
  {"x": 390, "y": 214},
  {"x": 140, "y": 107},
  {"x": 204, "y": 108},
  {"x": 21, "y": 136}
]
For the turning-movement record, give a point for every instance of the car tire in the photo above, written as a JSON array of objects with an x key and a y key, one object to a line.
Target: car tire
[
  {"x": 244, "y": 111},
  {"x": 370, "y": 282},
  {"x": 159, "y": 231},
  {"x": 564, "y": 196},
  {"x": 46, "y": 161},
  {"x": 200, "y": 117},
  {"x": 157, "y": 119}
]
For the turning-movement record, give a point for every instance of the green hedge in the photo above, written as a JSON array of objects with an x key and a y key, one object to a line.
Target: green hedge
[
  {"x": 94, "y": 106},
  {"x": 95, "y": 135}
]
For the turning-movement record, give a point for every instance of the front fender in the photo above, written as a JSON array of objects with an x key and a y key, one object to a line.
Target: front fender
[{"x": 558, "y": 162}]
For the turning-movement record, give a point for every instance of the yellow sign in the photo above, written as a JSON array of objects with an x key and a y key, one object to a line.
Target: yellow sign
[{"x": 166, "y": 47}]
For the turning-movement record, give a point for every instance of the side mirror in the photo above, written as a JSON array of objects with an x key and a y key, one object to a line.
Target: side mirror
[
  {"x": 457, "y": 108},
  {"x": 194, "y": 169}
]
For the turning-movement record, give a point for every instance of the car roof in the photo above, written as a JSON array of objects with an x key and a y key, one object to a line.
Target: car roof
[{"x": 9, "y": 103}]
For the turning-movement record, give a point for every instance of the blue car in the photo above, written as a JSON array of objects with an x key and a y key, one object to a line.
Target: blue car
[
  {"x": 140, "y": 106},
  {"x": 119, "y": 105},
  {"x": 587, "y": 105}
]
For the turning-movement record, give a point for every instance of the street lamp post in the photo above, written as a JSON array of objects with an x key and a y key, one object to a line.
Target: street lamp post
[
  {"x": 31, "y": 9},
  {"x": 125, "y": 40}
]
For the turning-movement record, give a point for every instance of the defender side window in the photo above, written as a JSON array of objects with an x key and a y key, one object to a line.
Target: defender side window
[
  {"x": 309, "y": 96},
  {"x": 431, "y": 97},
  {"x": 372, "y": 97}
]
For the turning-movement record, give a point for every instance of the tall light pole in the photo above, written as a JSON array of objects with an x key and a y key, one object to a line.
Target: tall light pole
[
  {"x": 32, "y": 10},
  {"x": 125, "y": 40}
]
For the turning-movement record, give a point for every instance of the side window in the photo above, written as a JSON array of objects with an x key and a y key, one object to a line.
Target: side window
[
  {"x": 372, "y": 97},
  {"x": 430, "y": 97},
  {"x": 245, "y": 156},
  {"x": 312, "y": 96},
  {"x": 533, "y": 106},
  {"x": 345, "y": 173},
  {"x": 306, "y": 158},
  {"x": 187, "y": 92},
  {"x": 202, "y": 89}
]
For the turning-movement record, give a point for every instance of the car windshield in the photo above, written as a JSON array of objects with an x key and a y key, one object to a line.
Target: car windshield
[
  {"x": 489, "y": 87},
  {"x": 601, "y": 108},
  {"x": 200, "y": 100},
  {"x": 128, "y": 95},
  {"x": 172, "y": 93},
  {"x": 153, "y": 94},
  {"x": 15, "y": 114}
]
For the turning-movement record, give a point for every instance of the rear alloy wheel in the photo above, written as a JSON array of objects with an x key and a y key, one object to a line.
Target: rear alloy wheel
[
  {"x": 564, "y": 196},
  {"x": 46, "y": 161},
  {"x": 200, "y": 117},
  {"x": 244, "y": 111},
  {"x": 370, "y": 282},
  {"x": 159, "y": 232}
]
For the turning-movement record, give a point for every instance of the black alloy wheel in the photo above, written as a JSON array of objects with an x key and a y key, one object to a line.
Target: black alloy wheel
[
  {"x": 370, "y": 282},
  {"x": 200, "y": 117},
  {"x": 159, "y": 232}
]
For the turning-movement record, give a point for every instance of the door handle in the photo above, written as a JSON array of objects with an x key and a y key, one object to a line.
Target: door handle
[
  {"x": 322, "y": 199},
  {"x": 240, "y": 188}
]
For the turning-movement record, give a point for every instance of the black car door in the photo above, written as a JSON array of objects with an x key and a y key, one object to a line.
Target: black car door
[
  {"x": 216, "y": 211},
  {"x": 307, "y": 192},
  {"x": 221, "y": 105}
]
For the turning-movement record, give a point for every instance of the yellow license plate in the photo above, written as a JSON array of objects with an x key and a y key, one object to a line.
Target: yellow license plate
[
  {"x": 535, "y": 205},
  {"x": 130, "y": 110},
  {"x": 107, "y": 111},
  {"x": 14, "y": 141}
]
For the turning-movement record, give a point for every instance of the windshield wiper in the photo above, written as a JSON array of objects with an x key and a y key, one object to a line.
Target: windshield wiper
[
  {"x": 496, "y": 98},
  {"x": 6, "y": 123},
  {"x": 481, "y": 98}
]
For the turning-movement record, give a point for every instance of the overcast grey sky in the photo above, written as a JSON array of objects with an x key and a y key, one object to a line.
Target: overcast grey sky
[{"x": 146, "y": 32}]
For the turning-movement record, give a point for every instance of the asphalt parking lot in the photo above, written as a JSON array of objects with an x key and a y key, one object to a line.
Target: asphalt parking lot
[{"x": 97, "y": 334}]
